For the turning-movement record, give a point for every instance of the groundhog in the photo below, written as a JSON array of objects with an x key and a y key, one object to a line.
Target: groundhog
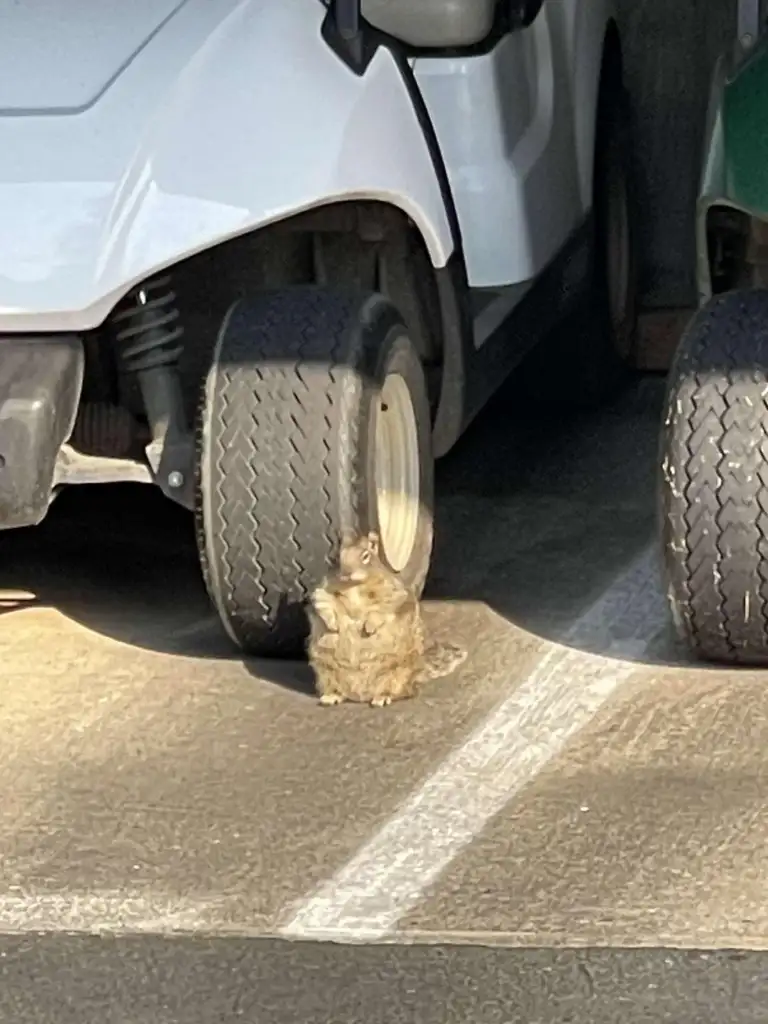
[{"x": 367, "y": 639}]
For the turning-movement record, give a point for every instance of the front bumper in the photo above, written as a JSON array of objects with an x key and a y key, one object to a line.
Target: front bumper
[{"x": 41, "y": 378}]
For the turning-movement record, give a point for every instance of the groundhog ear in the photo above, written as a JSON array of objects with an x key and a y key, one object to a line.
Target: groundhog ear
[{"x": 373, "y": 540}]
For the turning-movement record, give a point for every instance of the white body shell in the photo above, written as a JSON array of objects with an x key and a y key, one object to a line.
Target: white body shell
[
  {"x": 136, "y": 134},
  {"x": 516, "y": 128}
]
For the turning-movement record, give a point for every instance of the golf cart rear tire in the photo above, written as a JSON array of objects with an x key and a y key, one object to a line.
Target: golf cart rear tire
[
  {"x": 587, "y": 359},
  {"x": 286, "y": 454},
  {"x": 713, "y": 483}
]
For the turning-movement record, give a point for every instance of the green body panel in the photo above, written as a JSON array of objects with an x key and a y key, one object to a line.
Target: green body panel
[
  {"x": 745, "y": 133},
  {"x": 735, "y": 169}
]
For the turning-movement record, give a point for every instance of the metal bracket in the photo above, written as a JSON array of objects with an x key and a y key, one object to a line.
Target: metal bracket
[
  {"x": 172, "y": 463},
  {"x": 73, "y": 467},
  {"x": 171, "y": 452}
]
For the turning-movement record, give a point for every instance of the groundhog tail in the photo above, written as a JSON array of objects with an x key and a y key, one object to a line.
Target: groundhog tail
[{"x": 440, "y": 660}]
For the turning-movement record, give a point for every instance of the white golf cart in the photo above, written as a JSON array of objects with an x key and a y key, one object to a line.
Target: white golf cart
[{"x": 274, "y": 255}]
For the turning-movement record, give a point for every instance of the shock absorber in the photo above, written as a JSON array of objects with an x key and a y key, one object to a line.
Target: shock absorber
[
  {"x": 147, "y": 326},
  {"x": 148, "y": 333}
]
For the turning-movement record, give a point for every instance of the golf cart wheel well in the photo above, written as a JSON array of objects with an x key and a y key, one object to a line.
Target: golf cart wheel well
[
  {"x": 361, "y": 244},
  {"x": 736, "y": 249}
]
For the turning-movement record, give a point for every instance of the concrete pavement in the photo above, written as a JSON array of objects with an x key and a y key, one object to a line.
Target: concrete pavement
[{"x": 576, "y": 784}]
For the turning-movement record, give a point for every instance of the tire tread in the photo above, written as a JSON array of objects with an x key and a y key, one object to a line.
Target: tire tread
[
  {"x": 283, "y": 453},
  {"x": 281, "y": 394},
  {"x": 714, "y": 480}
]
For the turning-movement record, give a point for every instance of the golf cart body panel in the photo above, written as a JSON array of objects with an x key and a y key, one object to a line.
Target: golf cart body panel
[
  {"x": 442, "y": 152},
  {"x": 735, "y": 167},
  {"x": 745, "y": 134},
  {"x": 528, "y": 159},
  {"x": 192, "y": 125}
]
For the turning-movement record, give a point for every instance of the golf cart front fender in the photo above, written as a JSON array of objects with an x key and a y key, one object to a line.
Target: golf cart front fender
[
  {"x": 735, "y": 169},
  {"x": 232, "y": 116}
]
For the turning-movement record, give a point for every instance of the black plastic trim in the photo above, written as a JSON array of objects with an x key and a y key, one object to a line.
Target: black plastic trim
[
  {"x": 357, "y": 51},
  {"x": 452, "y": 283},
  {"x": 41, "y": 378}
]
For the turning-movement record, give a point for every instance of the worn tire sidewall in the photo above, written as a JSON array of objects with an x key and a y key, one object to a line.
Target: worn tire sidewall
[
  {"x": 720, "y": 352},
  {"x": 614, "y": 166},
  {"x": 578, "y": 365},
  {"x": 592, "y": 341}
]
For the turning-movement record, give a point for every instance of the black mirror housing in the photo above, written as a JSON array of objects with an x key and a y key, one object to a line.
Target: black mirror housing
[{"x": 523, "y": 12}]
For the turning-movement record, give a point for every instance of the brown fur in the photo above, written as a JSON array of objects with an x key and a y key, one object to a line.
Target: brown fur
[{"x": 367, "y": 640}]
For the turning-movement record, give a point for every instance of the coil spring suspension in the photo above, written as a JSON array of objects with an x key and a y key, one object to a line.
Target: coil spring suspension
[
  {"x": 147, "y": 327},
  {"x": 148, "y": 332}
]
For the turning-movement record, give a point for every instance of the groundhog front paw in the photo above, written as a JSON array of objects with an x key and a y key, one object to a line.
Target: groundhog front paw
[
  {"x": 325, "y": 609},
  {"x": 329, "y": 699}
]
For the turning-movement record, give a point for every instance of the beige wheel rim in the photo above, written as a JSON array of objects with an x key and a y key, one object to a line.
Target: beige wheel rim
[{"x": 397, "y": 472}]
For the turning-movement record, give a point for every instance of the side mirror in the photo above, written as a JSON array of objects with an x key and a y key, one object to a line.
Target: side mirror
[{"x": 523, "y": 12}]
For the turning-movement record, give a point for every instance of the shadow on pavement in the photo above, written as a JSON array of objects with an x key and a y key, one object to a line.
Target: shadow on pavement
[
  {"x": 92, "y": 980},
  {"x": 536, "y": 515}
]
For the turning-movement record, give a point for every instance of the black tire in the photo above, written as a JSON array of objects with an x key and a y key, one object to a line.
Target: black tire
[
  {"x": 286, "y": 454},
  {"x": 713, "y": 487},
  {"x": 586, "y": 361}
]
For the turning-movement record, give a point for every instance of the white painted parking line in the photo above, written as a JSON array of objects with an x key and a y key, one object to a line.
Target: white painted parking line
[
  {"x": 366, "y": 899},
  {"x": 108, "y": 912}
]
